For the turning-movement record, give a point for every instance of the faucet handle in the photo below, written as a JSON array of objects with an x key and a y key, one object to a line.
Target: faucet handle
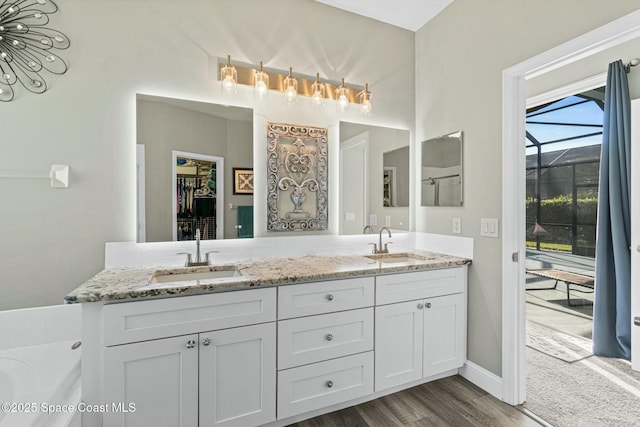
[
  {"x": 207, "y": 257},
  {"x": 386, "y": 250},
  {"x": 188, "y": 257},
  {"x": 375, "y": 248}
]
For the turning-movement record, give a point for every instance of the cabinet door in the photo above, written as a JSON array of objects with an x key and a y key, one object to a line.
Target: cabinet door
[
  {"x": 238, "y": 376},
  {"x": 159, "y": 377},
  {"x": 444, "y": 334},
  {"x": 398, "y": 344}
]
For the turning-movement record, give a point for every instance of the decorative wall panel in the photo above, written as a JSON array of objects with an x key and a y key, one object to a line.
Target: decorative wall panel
[{"x": 297, "y": 178}]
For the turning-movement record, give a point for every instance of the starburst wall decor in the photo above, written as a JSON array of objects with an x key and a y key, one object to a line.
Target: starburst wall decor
[{"x": 27, "y": 46}]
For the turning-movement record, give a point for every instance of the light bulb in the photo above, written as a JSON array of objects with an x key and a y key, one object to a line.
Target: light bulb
[
  {"x": 317, "y": 99},
  {"x": 290, "y": 94},
  {"x": 261, "y": 89},
  {"x": 290, "y": 88},
  {"x": 260, "y": 83},
  {"x": 366, "y": 107},
  {"x": 343, "y": 102},
  {"x": 227, "y": 83},
  {"x": 228, "y": 77}
]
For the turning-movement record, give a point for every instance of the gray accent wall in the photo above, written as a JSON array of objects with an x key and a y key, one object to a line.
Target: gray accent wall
[{"x": 460, "y": 56}]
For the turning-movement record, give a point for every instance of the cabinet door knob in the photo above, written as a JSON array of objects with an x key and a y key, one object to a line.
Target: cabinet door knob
[
  {"x": 329, "y": 337},
  {"x": 329, "y": 384},
  {"x": 330, "y": 297},
  {"x": 206, "y": 342},
  {"x": 428, "y": 305},
  {"x": 420, "y": 306},
  {"x": 191, "y": 343}
]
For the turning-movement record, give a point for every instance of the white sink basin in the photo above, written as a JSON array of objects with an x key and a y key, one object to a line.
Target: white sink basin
[
  {"x": 173, "y": 276},
  {"x": 396, "y": 258}
]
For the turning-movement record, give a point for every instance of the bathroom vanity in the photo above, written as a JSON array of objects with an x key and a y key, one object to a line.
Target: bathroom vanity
[{"x": 267, "y": 342}]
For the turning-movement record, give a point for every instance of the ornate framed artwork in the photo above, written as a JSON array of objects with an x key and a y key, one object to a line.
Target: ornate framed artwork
[
  {"x": 297, "y": 172},
  {"x": 242, "y": 181}
]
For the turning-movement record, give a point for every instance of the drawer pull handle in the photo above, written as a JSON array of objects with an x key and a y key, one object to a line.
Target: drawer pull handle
[
  {"x": 420, "y": 306},
  {"x": 330, "y": 297},
  {"x": 206, "y": 342},
  {"x": 191, "y": 343},
  {"x": 428, "y": 305},
  {"x": 329, "y": 384},
  {"x": 329, "y": 337}
]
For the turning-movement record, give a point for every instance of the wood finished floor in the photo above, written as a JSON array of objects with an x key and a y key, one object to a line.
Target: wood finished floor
[{"x": 451, "y": 401}]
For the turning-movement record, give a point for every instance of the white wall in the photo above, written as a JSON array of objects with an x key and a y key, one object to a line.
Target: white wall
[
  {"x": 460, "y": 56},
  {"x": 53, "y": 240}
]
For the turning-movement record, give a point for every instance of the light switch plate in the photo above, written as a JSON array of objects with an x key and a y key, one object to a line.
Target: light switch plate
[
  {"x": 349, "y": 216},
  {"x": 387, "y": 220},
  {"x": 456, "y": 226},
  {"x": 373, "y": 219},
  {"x": 489, "y": 227}
]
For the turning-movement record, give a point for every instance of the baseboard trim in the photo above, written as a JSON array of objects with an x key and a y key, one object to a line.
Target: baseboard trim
[{"x": 484, "y": 379}]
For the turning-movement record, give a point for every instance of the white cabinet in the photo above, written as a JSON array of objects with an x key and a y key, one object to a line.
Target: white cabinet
[
  {"x": 398, "y": 344},
  {"x": 419, "y": 338},
  {"x": 158, "y": 356},
  {"x": 222, "y": 378},
  {"x": 324, "y": 359},
  {"x": 160, "y": 377},
  {"x": 238, "y": 376}
]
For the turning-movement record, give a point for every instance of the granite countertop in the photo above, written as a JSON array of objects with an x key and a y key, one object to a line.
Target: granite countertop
[{"x": 128, "y": 284}]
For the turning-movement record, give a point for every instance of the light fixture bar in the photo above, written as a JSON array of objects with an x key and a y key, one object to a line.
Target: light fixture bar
[{"x": 277, "y": 78}]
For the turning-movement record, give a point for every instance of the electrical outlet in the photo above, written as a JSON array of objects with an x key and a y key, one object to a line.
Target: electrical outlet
[
  {"x": 456, "y": 226},
  {"x": 373, "y": 219},
  {"x": 387, "y": 220}
]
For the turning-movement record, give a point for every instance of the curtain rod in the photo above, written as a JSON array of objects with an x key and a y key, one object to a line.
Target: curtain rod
[{"x": 631, "y": 63}]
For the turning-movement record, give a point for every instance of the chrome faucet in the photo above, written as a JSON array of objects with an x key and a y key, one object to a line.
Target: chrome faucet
[
  {"x": 198, "y": 261},
  {"x": 379, "y": 249},
  {"x": 367, "y": 228}
]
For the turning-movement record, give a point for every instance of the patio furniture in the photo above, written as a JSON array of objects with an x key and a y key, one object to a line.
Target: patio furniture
[{"x": 567, "y": 277}]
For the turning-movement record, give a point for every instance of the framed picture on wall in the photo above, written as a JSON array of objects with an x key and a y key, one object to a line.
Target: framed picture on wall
[{"x": 242, "y": 180}]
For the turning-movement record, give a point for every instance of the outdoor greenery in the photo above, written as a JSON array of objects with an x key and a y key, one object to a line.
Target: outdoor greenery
[{"x": 556, "y": 218}]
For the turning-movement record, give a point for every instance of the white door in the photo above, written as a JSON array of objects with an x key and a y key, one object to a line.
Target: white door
[
  {"x": 444, "y": 334},
  {"x": 353, "y": 184},
  {"x": 398, "y": 344},
  {"x": 238, "y": 376},
  {"x": 635, "y": 234},
  {"x": 159, "y": 377}
]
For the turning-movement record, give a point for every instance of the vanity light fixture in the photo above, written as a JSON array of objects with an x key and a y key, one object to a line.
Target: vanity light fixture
[
  {"x": 264, "y": 81},
  {"x": 290, "y": 88},
  {"x": 365, "y": 100},
  {"x": 27, "y": 46},
  {"x": 317, "y": 93},
  {"x": 341, "y": 97},
  {"x": 261, "y": 83},
  {"x": 228, "y": 77}
]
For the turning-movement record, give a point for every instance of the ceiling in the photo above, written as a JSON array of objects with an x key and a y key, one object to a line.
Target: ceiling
[{"x": 408, "y": 14}]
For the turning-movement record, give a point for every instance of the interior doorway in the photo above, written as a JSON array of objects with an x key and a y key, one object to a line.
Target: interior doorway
[
  {"x": 198, "y": 196},
  {"x": 513, "y": 185},
  {"x": 354, "y": 184}
]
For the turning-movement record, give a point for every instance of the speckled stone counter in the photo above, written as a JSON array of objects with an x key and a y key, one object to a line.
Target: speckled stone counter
[{"x": 128, "y": 284}]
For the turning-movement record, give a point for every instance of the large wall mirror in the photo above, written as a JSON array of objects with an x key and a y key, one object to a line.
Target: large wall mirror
[
  {"x": 194, "y": 170},
  {"x": 374, "y": 178},
  {"x": 442, "y": 170}
]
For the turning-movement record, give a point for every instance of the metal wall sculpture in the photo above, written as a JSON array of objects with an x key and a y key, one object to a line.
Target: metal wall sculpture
[{"x": 297, "y": 171}]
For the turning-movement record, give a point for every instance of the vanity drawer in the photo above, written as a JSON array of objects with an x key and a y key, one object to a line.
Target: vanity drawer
[
  {"x": 147, "y": 320},
  {"x": 323, "y": 384},
  {"x": 324, "y": 297},
  {"x": 327, "y": 336},
  {"x": 400, "y": 287}
]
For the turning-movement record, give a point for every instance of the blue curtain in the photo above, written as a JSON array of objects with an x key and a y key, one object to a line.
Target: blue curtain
[{"x": 612, "y": 308}]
